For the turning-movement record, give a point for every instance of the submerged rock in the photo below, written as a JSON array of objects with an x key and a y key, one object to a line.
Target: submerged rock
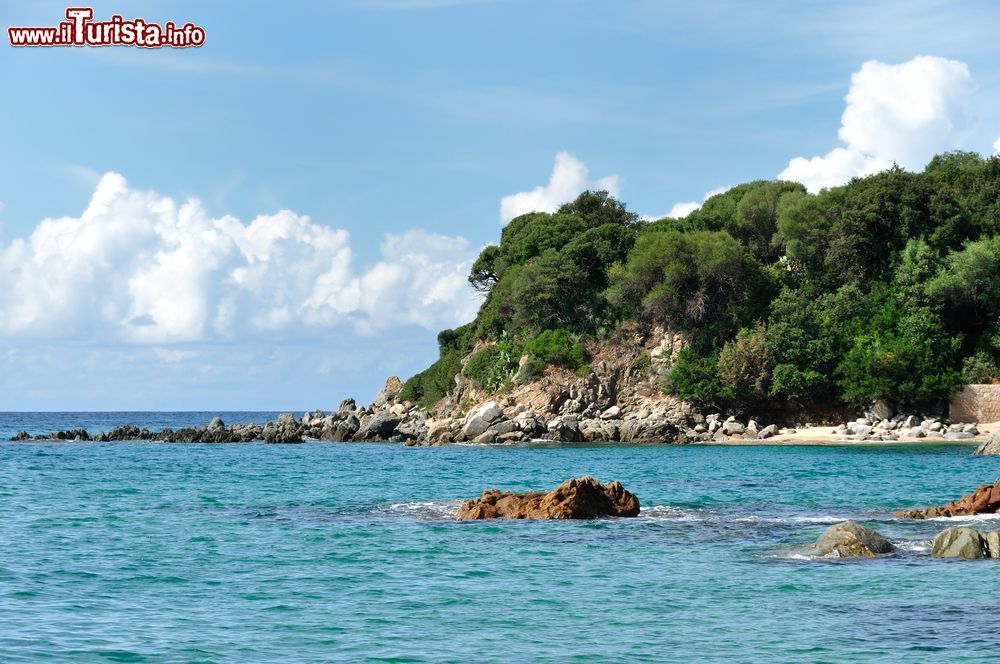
[
  {"x": 850, "y": 539},
  {"x": 984, "y": 500},
  {"x": 583, "y": 498}
]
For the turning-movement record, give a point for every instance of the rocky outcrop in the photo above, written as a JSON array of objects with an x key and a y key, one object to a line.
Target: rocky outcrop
[
  {"x": 850, "y": 539},
  {"x": 966, "y": 543},
  {"x": 984, "y": 500},
  {"x": 991, "y": 445},
  {"x": 583, "y": 498}
]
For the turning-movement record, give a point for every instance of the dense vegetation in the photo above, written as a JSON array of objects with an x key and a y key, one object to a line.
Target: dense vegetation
[{"x": 887, "y": 287}]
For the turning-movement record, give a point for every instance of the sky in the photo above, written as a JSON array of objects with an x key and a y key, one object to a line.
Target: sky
[{"x": 286, "y": 215}]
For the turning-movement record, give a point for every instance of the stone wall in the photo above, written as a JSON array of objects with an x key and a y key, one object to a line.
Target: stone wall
[{"x": 976, "y": 403}]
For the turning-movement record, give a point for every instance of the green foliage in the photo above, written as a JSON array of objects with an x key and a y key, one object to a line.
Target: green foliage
[
  {"x": 904, "y": 356},
  {"x": 641, "y": 364},
  {"x": 694, "y": 376},
  {"x": 557, "y": 347},
  {"x": 530, "y": 371},
  {"x": 492, "y": 366},
  {"x": 695, "y": 281},
  {"x": 980, "y": 368},
  {"x": 432, "y": 384},
  {"x": 968, "y": 284},
  {"x": 744, "y": 365}
]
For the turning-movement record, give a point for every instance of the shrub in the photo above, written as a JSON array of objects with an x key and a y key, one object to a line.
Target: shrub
[
  {"x": 557, "y": 347},
  {"x": 641, "y": 364},
  {"x": 744, "y": 365},
  {"x": 695, "y": 377},
  {"x": 979, "y": 368},
  {"x": 492, "y": 366}
]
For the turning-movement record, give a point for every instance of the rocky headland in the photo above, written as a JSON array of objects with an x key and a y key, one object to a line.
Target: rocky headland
[{"x": 619, "y": 398}]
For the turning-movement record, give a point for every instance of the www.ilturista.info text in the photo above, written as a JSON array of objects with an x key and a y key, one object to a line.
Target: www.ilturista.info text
[{"x": 81, "y": 30}]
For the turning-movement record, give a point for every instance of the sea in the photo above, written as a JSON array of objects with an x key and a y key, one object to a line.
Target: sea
[{"x": 330, "y": 552}]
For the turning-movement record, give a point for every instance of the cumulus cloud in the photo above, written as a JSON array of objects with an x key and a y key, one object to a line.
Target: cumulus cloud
[
  {"x": 141, "y": 268},
  {"x": 684, "y": 208},
  {"x": 902, "y": 114},
  {"x": 996, "y": 146},
  {"x": 569, "y": 178}
]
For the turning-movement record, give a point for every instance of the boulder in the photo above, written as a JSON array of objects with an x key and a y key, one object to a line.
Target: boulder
[
  {"x": 378, "y": 427},
  {"x": 882, "y": 410},
  {"x": 959, "y": 543},
  {"x": 731, "y": 428},
  {"x": 991, "y": 445},
  {"x": 481, "y": 419},
  {"x": 850, "y": 539},
  {"x": 216, "y": 424},
  {"x": 984, "y": 500},
  {"x": 612, "y": 413},
  {"x": 583, "y": 498},
  {"x": 768, "y": 431},
  {"x": 348, "y": 405}
]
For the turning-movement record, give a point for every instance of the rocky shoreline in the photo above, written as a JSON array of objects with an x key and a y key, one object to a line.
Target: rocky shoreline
[{"x": 580, "y": 411}]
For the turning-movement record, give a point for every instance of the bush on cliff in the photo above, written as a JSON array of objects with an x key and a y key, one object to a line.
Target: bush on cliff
[{"x": 557, "y": 347}]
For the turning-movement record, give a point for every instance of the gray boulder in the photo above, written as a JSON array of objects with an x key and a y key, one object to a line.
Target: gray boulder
[
  {"x": 959, "y": 543},
  {"x": 882, "y": 409},
  {"x": 378, "y": 427},
  {"x": 768, "y": 431},
  {"x": 850, "y": 539},
  {"x": 481, "y": 419}
]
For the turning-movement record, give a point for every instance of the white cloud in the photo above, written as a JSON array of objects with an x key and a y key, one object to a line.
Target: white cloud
[
  {"x": 683, "y": 209},
  {"x": 903, "y": 113},
  {"x": 138, "y": 267},
  {"x": 569, "y": 178},
  {"x": 996, "y": 150}
]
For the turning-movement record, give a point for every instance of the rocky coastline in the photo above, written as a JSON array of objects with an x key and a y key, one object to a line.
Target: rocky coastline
[{"x": 620, "y": 398}]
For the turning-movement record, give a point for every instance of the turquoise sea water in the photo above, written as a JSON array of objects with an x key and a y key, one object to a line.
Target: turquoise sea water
[{"x": 345, "y": 552}]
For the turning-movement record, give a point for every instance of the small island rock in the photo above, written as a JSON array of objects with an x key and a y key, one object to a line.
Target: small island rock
[{"x": 583, "y": 498}]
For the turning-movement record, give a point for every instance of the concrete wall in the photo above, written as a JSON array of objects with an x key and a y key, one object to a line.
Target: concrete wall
[{"x": 976, "y": 403}]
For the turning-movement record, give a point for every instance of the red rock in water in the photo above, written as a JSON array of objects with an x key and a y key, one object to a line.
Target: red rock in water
[
  {"x": 984, "y": 500},
  {"x": 583, "y": 498}
]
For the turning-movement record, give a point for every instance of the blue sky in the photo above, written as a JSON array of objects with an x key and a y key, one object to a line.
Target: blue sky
[{"x": 390, "y": 130}]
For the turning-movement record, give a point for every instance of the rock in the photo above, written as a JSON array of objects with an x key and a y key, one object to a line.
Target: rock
[
  {"x": 991, "y": 540},
  {"x": 959, "y": 543},
  {"x": 958, "y": 435},
  {"x": 882, "y": 409},
  {"x": 984, "y": 500},
  {"x": 583, "y": 498},
  {"x": 378, "y": 427},
  {"x": 732, "y": 427},
  {"x": 389, "y": 393},
  {"x": 481, "y": 419},
  {"x": 216, "y": 424},
  {"x": 850, "y": 539},
  {"x": 348, "y": 405},
  {"x": 991, "y": 445},
  {"x": 971, "y": 428},
  {"x": 22, "y": 435},
  {"x": 768, "y": 431},
  {"x": 612, "y": 413},
  {"x": 935, "y": 426},
  {"x": 911, "y": 422},
  {"x": 916, "y": 432},
  {"x": 860, "y": 429},
  {"x": 863, "y": 421}
]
